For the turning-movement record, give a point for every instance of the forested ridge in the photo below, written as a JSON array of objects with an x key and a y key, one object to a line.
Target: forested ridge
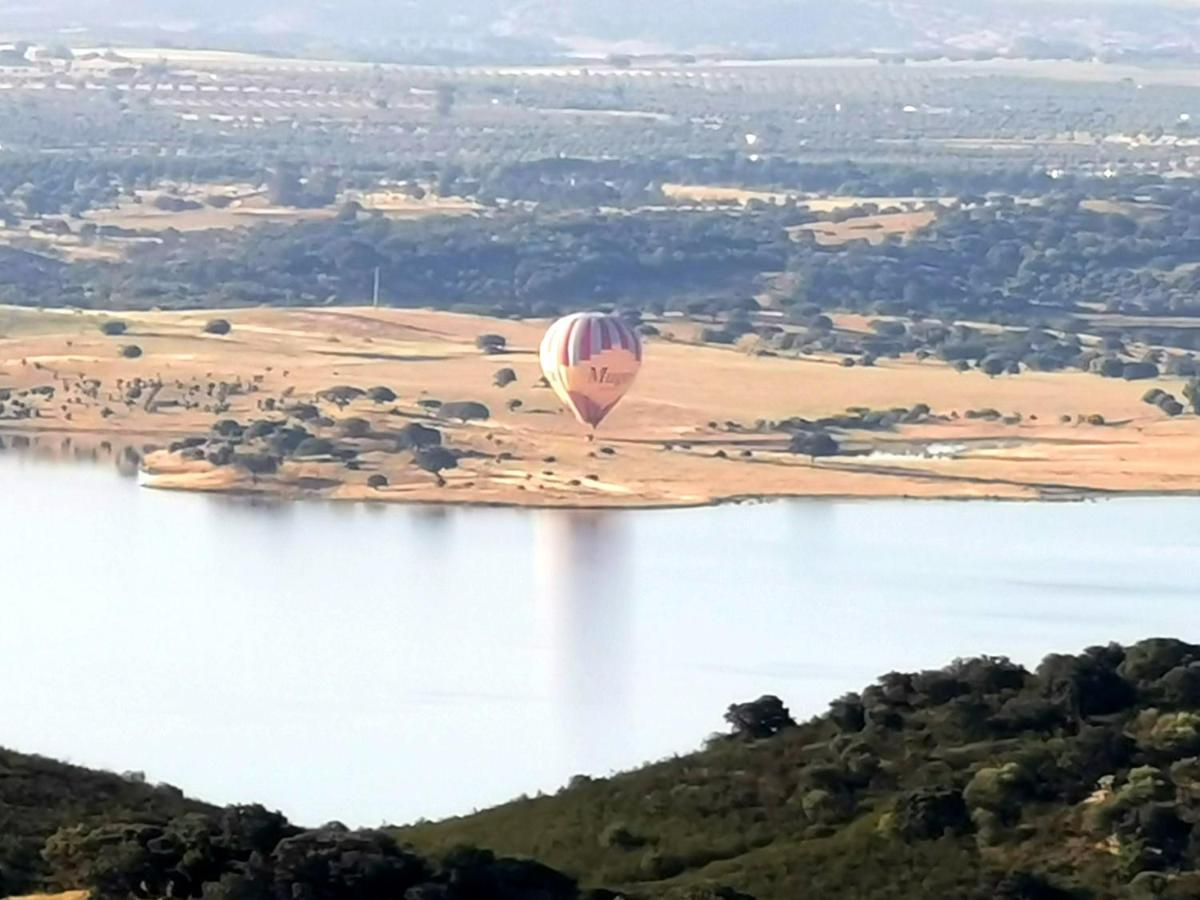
[
  {"x": 989, "y": 258},
  {"x": 981, "y": 780},
  {"x": 1079, "y": 779}
]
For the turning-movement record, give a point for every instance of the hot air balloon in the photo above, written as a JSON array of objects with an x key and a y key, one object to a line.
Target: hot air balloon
[{"x": 590, "y": 360}]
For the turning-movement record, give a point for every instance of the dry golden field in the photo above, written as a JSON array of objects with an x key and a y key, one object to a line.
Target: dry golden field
[
  {"x": 668, "y": 444},
  {"x": 874, "y": 229}
]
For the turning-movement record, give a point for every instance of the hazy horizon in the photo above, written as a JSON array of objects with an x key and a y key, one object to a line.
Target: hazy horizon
[{"x": 539, "y": 28}]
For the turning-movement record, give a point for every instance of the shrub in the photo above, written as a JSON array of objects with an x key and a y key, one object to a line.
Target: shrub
[
  {"x": 504, "y": 377},
  {"x": 1182, "y": 365},
  {"x": 168, "y": 203},
  {"x": 993, "y": 365},
  {"x": 131, "y": 351},
  {"x": 218, "y": 327},
  {"x": 491, "y": 343},
  {"x": 257, "y": 463},
  {"x": 435, "y": 460},
  {"x": 1151, "y": 659},
  {"x": 814, "y": 445},
  {"x": 342, "y": 394},
  {"x": 821, "y": 806},
  {"x": 1087, "y": 684},
  {"x": 930, "y": 813},
  {"x": 465, "y": 411},
  {"x": 1139, "y": 371},
  {"x": 377, "y": 481},
  {"x": 381, "y": 394},
  {"x": 314, "y": 446},
  {"x": 1173, "y": 734},
  {"x": 335, "y": 865},
  {"x": 286, "y": 441},
  {"x": 415, "y": 435},
  {"x": 1179, "y": 688},
  {"x": 1191, "y": 393},
  {"x": 355, "y": 427},
  {"x": 1000, "y": 789},
  {"x": 848, "y": 714},
  {"x": 303, "y": 412},
  {"x": 113, "y": 328},
  {"x": 260, "y": 428},
  {"x": 761, "y": 718},
  {"x": 1023, "y": 713},
  {"x": 717, "y": 336}
]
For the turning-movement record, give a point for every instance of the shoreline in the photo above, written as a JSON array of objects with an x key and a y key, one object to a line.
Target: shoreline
[
  {"x": 287, "y": 495},
  {"x": 738, "y": 500}
]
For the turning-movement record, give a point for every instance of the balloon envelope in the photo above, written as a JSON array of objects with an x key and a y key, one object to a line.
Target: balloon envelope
[{"x": 590, "y": 360}]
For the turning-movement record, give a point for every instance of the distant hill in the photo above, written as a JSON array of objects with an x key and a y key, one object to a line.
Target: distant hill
[
  {"x": 980, "y": 781},
  {"x": 532, "y": 27}
]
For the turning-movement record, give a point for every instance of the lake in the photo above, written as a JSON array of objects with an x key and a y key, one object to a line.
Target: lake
[{"x": 370, "y": 664}]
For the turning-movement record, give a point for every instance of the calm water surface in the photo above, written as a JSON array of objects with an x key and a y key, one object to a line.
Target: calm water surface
[{"x": 376, "y": 664}]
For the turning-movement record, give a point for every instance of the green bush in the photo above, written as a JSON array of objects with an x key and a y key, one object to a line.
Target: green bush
[
  {"x": 998, "y": 789},
  {"x": 1170, "y": 734}
]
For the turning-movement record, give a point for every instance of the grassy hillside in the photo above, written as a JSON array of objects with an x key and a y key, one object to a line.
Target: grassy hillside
[
  {"x": 979, "y": 780},
  {"x": 39, "y": 796}
]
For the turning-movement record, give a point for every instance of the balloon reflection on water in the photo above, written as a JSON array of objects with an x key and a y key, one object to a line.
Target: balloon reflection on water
[{"x": 582, "y": 562}]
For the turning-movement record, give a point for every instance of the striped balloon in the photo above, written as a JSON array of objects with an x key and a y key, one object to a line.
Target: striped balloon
[{"x": 590, "y": 360}]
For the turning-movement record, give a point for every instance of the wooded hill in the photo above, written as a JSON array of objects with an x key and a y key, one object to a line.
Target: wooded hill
[
  {"x": 979, "y": 780},
  {"x": 1080, "y": 779}
]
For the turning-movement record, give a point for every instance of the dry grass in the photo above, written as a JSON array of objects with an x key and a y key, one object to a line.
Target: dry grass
[
  {"x": 910, "y": 204},
  {"x": 715, "y": 194},
  {"x": 1132, "y": 209},
  {"x": 707, "y": 193},
  {"x": 681, "y": 390},
  {"x": 250, "y": 206},
  {"x": 874, "y": 229},
  {"x": 399, "y": 203}
]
